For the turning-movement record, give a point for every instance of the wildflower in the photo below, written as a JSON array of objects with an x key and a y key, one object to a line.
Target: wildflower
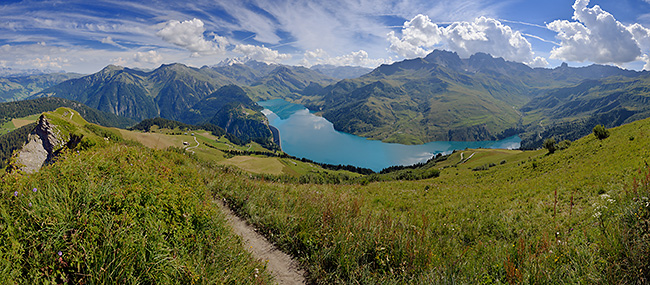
[
  {"x": 30, "y": 204},
  {"x": 15, "y": 193},
  {"x": 60, "y": 253},
  {"x": 597, "y": 215},
  {"x": 34, "y": 190}
]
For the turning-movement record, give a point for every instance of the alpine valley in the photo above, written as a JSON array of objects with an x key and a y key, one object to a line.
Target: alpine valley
[
  {"x": 141, "y": 176},
  {"x": 440, "y": 97}
]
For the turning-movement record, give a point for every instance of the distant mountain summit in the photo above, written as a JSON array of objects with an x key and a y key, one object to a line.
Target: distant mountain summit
[
  {"x": 341, "y": 72},
  {"x": 438, "y": 97},
  {"x": 444, "y": 97},
  {"x": 16, "y": 72},
  {"x": 164, "y": 92}
]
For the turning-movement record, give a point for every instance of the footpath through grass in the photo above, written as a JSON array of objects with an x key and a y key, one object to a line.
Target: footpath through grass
[
  {"x": 579, "y": 215},
  {"x": 120, "y": 215}
]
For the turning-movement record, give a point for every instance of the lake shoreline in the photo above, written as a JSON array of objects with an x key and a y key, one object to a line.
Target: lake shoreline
[{"x": 303, "y": 134}]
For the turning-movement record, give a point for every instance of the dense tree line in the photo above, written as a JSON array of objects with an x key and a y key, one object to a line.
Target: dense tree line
[
  {"x": 18, "y": 109},
  {"x": 12, "y": 141},
  {"x": 429, "y": 163},
  {"x": 147, "y": 124}
]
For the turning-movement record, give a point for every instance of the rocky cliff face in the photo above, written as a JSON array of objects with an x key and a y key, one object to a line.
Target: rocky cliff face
[{"x": 40, "y": 147}]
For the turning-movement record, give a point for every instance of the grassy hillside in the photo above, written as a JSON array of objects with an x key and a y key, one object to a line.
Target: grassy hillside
[
  {"x": 572, "y": 112},
  {"x": 116, "y": 212},
  {"x": 19, "y": 109},
  {"x": 579, "y": 215},
  {"x": 221, "y": 151}
]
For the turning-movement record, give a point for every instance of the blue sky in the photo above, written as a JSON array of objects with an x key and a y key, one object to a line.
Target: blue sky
[{"x": 85, "y": 36}]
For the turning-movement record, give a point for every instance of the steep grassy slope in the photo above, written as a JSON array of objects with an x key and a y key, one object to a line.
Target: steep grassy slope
[
  {"x": 18, "y": 109},
  {"x": 579, "y": 215},
  {"x": 117, "y": 212},
  {"x": 492, "y": 216}
]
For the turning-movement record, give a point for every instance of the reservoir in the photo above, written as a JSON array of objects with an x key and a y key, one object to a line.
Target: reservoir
[{"x": 303, "y": 134}]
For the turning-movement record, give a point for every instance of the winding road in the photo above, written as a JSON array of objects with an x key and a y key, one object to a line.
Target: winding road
[
  {"x": 189, "y": 148},
  {"x": 461, "y": 157}
]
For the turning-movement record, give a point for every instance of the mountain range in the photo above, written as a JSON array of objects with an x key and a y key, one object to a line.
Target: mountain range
[
  {"x": 18, "y": 86},
  {"x": 443, "y": 97},
  {"x": 435, "y": 98}
]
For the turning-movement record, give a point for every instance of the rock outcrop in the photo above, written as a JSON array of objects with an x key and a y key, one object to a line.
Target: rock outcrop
[{"x": 40, "y": 147}]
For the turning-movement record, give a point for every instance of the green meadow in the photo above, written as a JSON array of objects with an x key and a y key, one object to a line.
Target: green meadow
[
  {"x": 579, "y": 215},
  {"x": 119, "y": 212}
]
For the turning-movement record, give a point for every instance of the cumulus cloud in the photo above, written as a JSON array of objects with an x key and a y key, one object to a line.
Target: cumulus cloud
[
  {"x": 538, "y": 62},
  {"x": 108, "y": 40},
  {"x": 356, "y": 58},
  {"x": 261, "y": 53},
  {"x": 150, "y": 57},
  {"x": 319, "y": 53},
  {"x": 45, "y": 62},
  {"x": 597, "y": 36},
  {"x": 420, "y": 36},
  {"x": 189, "y": 35}
]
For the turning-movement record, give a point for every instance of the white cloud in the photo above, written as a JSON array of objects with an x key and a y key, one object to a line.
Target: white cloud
[
  {"x": 109, "y": 41},
  {"x": 489, "y": 36},
  {"x": 151, "y": 57},
  {"x": 538, "y": 62},
  {"x": 189, "y": 35},
  {"x": 646, "y": 59},
  {"x": 356, "y": 58},
  {"x": 597, "y": 36},
  {"x": 417, "y": 34},
  {"x": 641, "y": 34},
  {"x": 318, "y": 53},
  {"x": 45, "y": 62},
  {"x": 261, "y": 53},
  {"x": 420, "y": 36}
]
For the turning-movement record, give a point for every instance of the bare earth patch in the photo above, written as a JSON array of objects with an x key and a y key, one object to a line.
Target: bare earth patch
[
  {"x": 21, "y": 122},
  {"x": 284, "y": 269}
]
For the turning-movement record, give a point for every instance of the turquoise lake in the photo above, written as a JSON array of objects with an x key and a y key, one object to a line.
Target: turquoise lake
[{"x": 303, "y": 134}]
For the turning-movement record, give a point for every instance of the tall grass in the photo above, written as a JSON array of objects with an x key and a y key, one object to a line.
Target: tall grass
[
  {"x": 118, "y": 215},
  {"x": 527, "y": 221},
  {"x": 624, "y": 223}
]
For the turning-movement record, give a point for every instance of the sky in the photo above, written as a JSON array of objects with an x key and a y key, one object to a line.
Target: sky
[{"x": 85, "y": 36}]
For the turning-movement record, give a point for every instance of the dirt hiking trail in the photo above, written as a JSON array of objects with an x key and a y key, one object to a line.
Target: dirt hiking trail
[{"x": 284, "y": 269}]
